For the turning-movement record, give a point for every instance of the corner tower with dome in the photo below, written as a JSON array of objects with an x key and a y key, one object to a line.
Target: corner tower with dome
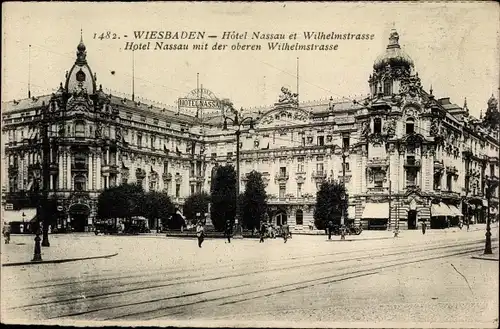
[{"x": 405, "y": 155}]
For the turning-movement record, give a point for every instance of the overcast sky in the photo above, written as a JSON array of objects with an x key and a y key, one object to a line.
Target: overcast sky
[{"x": 454, "y": 47}]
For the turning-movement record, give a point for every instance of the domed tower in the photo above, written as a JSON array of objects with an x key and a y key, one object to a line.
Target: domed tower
[
  {"x": 80, "y": 77},
  {"x": 390, "y": 68}
]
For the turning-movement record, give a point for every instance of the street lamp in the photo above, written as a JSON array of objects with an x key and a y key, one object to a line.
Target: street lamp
[
  {"x": 491, "y": 185},
  {"x": 238, "y": 122},
  {"x": 345, "y": 154}
]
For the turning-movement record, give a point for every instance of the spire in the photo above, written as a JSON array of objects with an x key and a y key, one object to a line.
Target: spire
[
  {"x": 431, "y": 90},
  {"x": 29, "y": 71},
  {"x": 81, "y": 52}
]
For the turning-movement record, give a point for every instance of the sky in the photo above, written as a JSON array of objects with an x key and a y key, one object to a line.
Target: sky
[{"x": 455, "y": 47}]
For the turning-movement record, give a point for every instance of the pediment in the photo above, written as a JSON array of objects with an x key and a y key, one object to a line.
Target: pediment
[{"x": 284, "y": 116}]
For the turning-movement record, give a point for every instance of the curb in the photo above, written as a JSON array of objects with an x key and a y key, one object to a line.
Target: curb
[
  {"x": 485, "y": 257},
  {"x": 56, "y": 261}
]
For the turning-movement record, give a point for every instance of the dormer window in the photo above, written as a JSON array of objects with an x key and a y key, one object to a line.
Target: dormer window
[{"x": 410, "y": 126}]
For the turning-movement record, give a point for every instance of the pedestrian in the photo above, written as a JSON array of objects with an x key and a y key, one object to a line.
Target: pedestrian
[
  {"x": 342, "y": 232},
  {"x": 330, "y": 229},
  {"x": 200, "y": 233},
  {"x": 424, "y": 226},
  {"x": 460, "y": 223},
  {"x": 286, "y": 231},
  {"x": 229, "y": 229},
  {"x": 262, "y": 232},
  {"x": 468, "y": 223},
  {"x": 6, "y": 232}
]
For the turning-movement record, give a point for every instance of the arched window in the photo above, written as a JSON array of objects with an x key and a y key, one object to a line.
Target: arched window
[
  {"x": 80, "y": 128},
  {"x": 299, "y": 217},
  {"x": 80, "y": 182},
  {"x": 410, "y": 126},
  {"x": 377, "y": 125}
]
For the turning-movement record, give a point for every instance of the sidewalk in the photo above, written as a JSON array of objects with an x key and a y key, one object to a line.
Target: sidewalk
[{"x": 63, "y": 248}]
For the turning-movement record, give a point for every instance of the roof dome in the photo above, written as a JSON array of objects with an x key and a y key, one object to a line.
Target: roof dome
[
  {"x": 80, "y": 76},
  {"x": 393, "y": 55}
]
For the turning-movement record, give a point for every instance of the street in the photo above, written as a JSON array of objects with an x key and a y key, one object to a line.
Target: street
[{"x": 309, "y": 280}]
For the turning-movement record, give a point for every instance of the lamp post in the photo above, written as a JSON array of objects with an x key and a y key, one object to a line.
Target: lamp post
[
  {"x": 238, "y": 122},
  {"x": 491, "y": 185},
  {"x": 345, "y": 154}
]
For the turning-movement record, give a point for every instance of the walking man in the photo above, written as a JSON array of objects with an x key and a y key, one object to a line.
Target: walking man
[
  {"x": 200, "y": 233},
  {"x": 6, "y": 232},
  {"x": 286, "y": 231},
  {"x": 330, "y": 229},
  {"x": 229, "y": 230},
  {"x": 424, "y": 226},
  {"x": 262, "y": 232}
]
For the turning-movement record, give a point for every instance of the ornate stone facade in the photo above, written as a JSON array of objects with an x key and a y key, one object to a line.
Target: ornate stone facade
[{"x": 404, "y": 150}]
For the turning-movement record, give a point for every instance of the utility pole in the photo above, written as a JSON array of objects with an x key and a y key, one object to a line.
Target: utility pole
[{"x": 45, "y": 176}]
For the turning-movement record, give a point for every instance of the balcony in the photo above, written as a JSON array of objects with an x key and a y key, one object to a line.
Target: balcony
[
  {"x": 167, "y": 177},
  {"x": 319, "y": 175},
  {"x": 438, "y": 165},
  {"x": 79, "y": 167},
  {"x": 111, "y": 169},
  {"x": 281, "y": 176},
  {"x": 378, "y": 190},
  {"x": 412, "y": 164},
  {"x": 452, "y": 170}
]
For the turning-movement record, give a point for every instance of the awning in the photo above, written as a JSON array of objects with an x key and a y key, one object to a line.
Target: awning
[
  {"x": 17, "y": 215},
  {"x": 455, "y": 211},
  {"x": 351, "y": 212},
  {"x": 440, "y": 209},
  {"x": 376, "y": 211}
]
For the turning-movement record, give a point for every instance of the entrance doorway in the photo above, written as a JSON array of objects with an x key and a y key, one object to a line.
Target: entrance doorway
[
  {"x": 281, "y": 219},
  {"x": 412, "y": 219},
  {"x": 79, "y": 214}
]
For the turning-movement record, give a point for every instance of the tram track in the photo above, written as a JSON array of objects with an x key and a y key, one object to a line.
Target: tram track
[
  {"x": 354, "y": 270},
  {"x": 100, "y": 291}
]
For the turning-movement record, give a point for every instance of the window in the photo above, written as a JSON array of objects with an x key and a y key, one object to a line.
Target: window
[
  {"x": 299, "y": 217},
  {"x": 80, "y": 161},
  {"x": 229, "y": 155},
  {"x": 155, "y": 121},
  {"x": 449, "y": 184},
  {"x": 345, "y": 142},
  {"x": 191, "y": 172},
  {"x": 80, "y": 129},
  {"x": 139, "y": 140},
  {"x": 411, "y": 178},
  {"x": 299, "y": 190},
  {"x": 80, "y": 183},
  {"x": 410, "y": 126},
  {"x": 346, "y": 166},
  {"x": 143, "y": 118},
  {"x": 124, "y": 181},
  {"x": 153, "y": 141},
  {"x": 177, "y": 190},
  {"x": 192, "y": 189},
  {"x": 300, "y": 165},
  {"x": 437, "y": 181},
  {"x": 377, "y": 125},
  {"x": 303, "y": 141},
  {"x": 387, "y": 87},
  {"x": 319, "y": 168},
  {"x": 282, "y": 191},
  {"x": 165, "y": 166},
  {"x": 152, "y": 185},
  {"x": 321, "y": 140},
  {"x": 492, "y": 170},
  {"x": 282, "y": 171},
  {"x": 378, "y": 178}
]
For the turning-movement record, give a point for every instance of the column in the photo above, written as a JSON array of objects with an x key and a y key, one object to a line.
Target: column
[
  {"x": 61, "y": 170},
  {"x": 68, "y": 172},
  {"x": 51, "y": 182},
  {"x": 98, "y": 170},
  {"x": 107, "y": 156},
  {"x": 90, "y": 176}
]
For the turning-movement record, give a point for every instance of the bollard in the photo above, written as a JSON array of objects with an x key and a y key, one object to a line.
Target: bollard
[{"x": 37, "y": 256}]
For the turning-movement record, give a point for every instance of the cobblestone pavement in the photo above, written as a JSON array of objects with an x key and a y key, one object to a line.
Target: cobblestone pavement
[{"x": 421, "y": 280}]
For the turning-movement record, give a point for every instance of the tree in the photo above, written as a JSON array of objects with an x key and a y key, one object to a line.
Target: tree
[
  {"x": 124, "y": 201},
  {"x": 253, "y": 203},
  {"x": 331, "y": 199},
  {"x": 223, "y": 197},
  {"x": 157, "y": 207},
  {"x": 196, "y": 203},
  {"x": 492, "y": 117}
]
